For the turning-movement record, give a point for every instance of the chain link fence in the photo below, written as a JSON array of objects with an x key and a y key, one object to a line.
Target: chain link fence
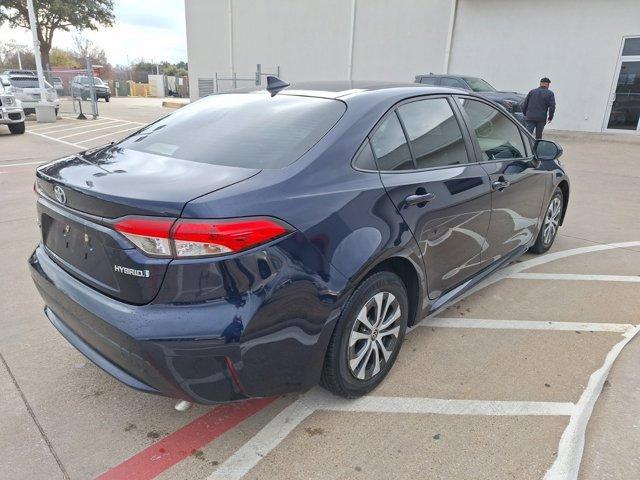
[
  {"x": 223, "y": 83},
  {"x": 78, "y": 91}
]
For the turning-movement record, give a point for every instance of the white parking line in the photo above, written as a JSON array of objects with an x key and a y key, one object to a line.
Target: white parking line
[
  {"x": 567, "y": 463},
  {"x": 250, "y": 454},
  {"x": 95, "y": 130},
  {"x": 65, "y": 129},
  {"x": 523, "y": 325},
  {"x": 572, "y": 442},
  {"x": 74, "y": 145},
  {"x": 22, "y": 164},
  {"x": 111, "y": 133},
  {"x": 137, "y": 123},
  {"x": 578, "y": 277}
]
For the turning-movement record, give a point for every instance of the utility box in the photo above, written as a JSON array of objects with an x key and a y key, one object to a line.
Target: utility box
[{"x": 45, "y": 113}]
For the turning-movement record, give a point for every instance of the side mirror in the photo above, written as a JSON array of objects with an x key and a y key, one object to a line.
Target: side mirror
[{"x": 547, "y": 150}]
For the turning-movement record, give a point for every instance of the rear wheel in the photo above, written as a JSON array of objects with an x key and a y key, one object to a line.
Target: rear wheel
[
  {"x": 368, "y": 336},
  {"x": 550, "y": 224},
  {"x": 17, "y": 128}
]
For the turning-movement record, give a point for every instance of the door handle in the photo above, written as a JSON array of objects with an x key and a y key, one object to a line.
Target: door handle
[
  {"x": 420, "y": 198},
  {"x": 500, "y": 184}
]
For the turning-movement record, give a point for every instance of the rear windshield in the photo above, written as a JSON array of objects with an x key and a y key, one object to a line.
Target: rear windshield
[
  {"x": 87, "y": 81},
  {"x": 27, "y": 82},
  {"x": 250, "y": 130}
]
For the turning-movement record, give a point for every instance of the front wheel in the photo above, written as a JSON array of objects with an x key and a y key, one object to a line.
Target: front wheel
[
  {"x": 367, "y": 337},
  {"x": 550, "y": 224},
  {"x": 17, "y": 128},
  {"x": 106, "y": 99}
]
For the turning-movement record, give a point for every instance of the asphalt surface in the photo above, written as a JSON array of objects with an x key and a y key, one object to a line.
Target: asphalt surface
[{"x": 500, "y": 385}]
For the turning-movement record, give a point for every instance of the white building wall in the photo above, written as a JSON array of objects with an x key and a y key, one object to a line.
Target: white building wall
[
  {"x": 576, "y": 43},
  {"x": 511, "y": 43},
  {"x": 310, "y": 39},
  {"x": 400, "y": 39},
  {"x": 307, "y": 39},
  {"x": 207, "y": 40}
]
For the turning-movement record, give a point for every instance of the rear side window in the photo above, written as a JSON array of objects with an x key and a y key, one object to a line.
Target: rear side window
[
  {"x": 497, "y": 135},
  {"x": 364, "y": 158},
  {"x": 428, "y": 80},
  {"x": 452, "y": 82},
  {"x": 434, "y": 133},
  {"x": 250, "y": 130},
  {"x": 390, "y": 146}
]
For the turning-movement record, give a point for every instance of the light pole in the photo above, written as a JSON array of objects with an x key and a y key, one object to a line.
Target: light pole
[{"x": 36, "y": 53}]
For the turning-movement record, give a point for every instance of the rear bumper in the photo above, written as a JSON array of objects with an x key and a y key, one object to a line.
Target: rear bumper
[{"x": 162, "y": 348}]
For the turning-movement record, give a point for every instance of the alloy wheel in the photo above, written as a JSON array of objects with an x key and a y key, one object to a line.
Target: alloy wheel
[
  {"x": 551, "y": 220},
  {"x": 374, "y": 335}
]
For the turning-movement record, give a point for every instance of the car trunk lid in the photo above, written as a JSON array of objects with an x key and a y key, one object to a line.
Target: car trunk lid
[{"x": 80, "y": 197}]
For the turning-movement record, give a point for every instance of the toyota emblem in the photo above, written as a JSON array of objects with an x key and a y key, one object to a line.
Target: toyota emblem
[{"x": 59, "y": 193}]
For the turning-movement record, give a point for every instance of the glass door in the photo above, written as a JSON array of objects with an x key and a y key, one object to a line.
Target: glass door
[
  {"x": 624, "y": 106},
  {"x": 625, "y": 109}
]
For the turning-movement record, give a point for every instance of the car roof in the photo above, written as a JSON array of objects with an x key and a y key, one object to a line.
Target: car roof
[{"x": 344, "y": 89}]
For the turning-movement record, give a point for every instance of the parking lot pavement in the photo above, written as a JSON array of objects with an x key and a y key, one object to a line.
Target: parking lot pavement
[{"x": 499, "y": 385}]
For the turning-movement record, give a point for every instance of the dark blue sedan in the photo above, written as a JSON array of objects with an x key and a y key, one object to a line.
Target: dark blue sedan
[{"x": 257, "y": 243}]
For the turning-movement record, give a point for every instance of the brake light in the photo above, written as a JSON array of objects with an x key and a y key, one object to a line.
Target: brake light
[
  {"x": 151, "y": 235},
  {"x": 194, "y": 238},
  {"x": 198, "y": 238}
]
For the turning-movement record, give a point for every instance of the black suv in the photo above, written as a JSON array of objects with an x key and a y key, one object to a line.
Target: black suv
[
  {"x": 512, "y": 101},
  {"x": 81, "y": 87}
]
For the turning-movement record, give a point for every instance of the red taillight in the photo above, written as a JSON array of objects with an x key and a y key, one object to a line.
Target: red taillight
[
  {"x": 151, "y": 235},
  {"x": 197, "y": 238}
]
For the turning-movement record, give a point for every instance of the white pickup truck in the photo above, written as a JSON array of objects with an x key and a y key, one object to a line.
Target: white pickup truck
[{"x": 11, "y": 113}]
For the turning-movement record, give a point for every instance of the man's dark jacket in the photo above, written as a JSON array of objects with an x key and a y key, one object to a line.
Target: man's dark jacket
[{"x": 538, "y": 101}]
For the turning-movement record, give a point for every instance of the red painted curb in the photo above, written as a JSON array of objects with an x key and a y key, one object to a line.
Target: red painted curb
[{"x": 162, "y": 455}]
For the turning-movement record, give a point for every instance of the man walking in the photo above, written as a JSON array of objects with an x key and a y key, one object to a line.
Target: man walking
[{"x": 539, "y": 107}]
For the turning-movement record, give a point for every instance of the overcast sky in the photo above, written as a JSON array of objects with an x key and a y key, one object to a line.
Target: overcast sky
[{"x": 149, "y": 29}]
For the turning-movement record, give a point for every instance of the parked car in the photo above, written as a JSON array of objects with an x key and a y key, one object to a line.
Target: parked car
[
  {"x": 256, "y": 243},
  {"x": 81, "y": 87},
  {"x": 20, "y": 72},
  {"x": 11, "y": 113},
  {"x": 512, "y": 101},
  {"x": 27, "y": 89},
  {"x": 57, "y": 84}
]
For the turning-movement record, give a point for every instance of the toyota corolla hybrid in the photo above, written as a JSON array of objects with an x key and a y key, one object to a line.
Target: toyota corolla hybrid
[{"x": 257, "y": 243}]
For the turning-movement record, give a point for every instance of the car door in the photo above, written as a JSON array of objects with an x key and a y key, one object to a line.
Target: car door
[
  {"x": 518, "y": 186},
  {"x": 422, "y": 154}
]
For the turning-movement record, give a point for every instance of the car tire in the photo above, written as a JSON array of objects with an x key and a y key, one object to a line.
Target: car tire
[
  {"x": 550, "y": 223},
  {"x": 365, "y": 344},
  {"x": 106, "y": 99},
  {"x": 17, "y": 128}
]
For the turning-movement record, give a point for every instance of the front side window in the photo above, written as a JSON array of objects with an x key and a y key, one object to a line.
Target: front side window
[
  {"x": 390, "y": 146},
  {"x": 499, "y": 137},
  {"x": 434, "y": 133}
]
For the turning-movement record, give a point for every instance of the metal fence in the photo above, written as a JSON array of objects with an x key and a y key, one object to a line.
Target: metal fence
[
  {"x": 73, "y": 98},
  {"x": 223, "y": 83}
]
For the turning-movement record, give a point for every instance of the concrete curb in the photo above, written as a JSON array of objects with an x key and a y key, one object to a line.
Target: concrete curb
[{"x": 173, "y": 104}]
